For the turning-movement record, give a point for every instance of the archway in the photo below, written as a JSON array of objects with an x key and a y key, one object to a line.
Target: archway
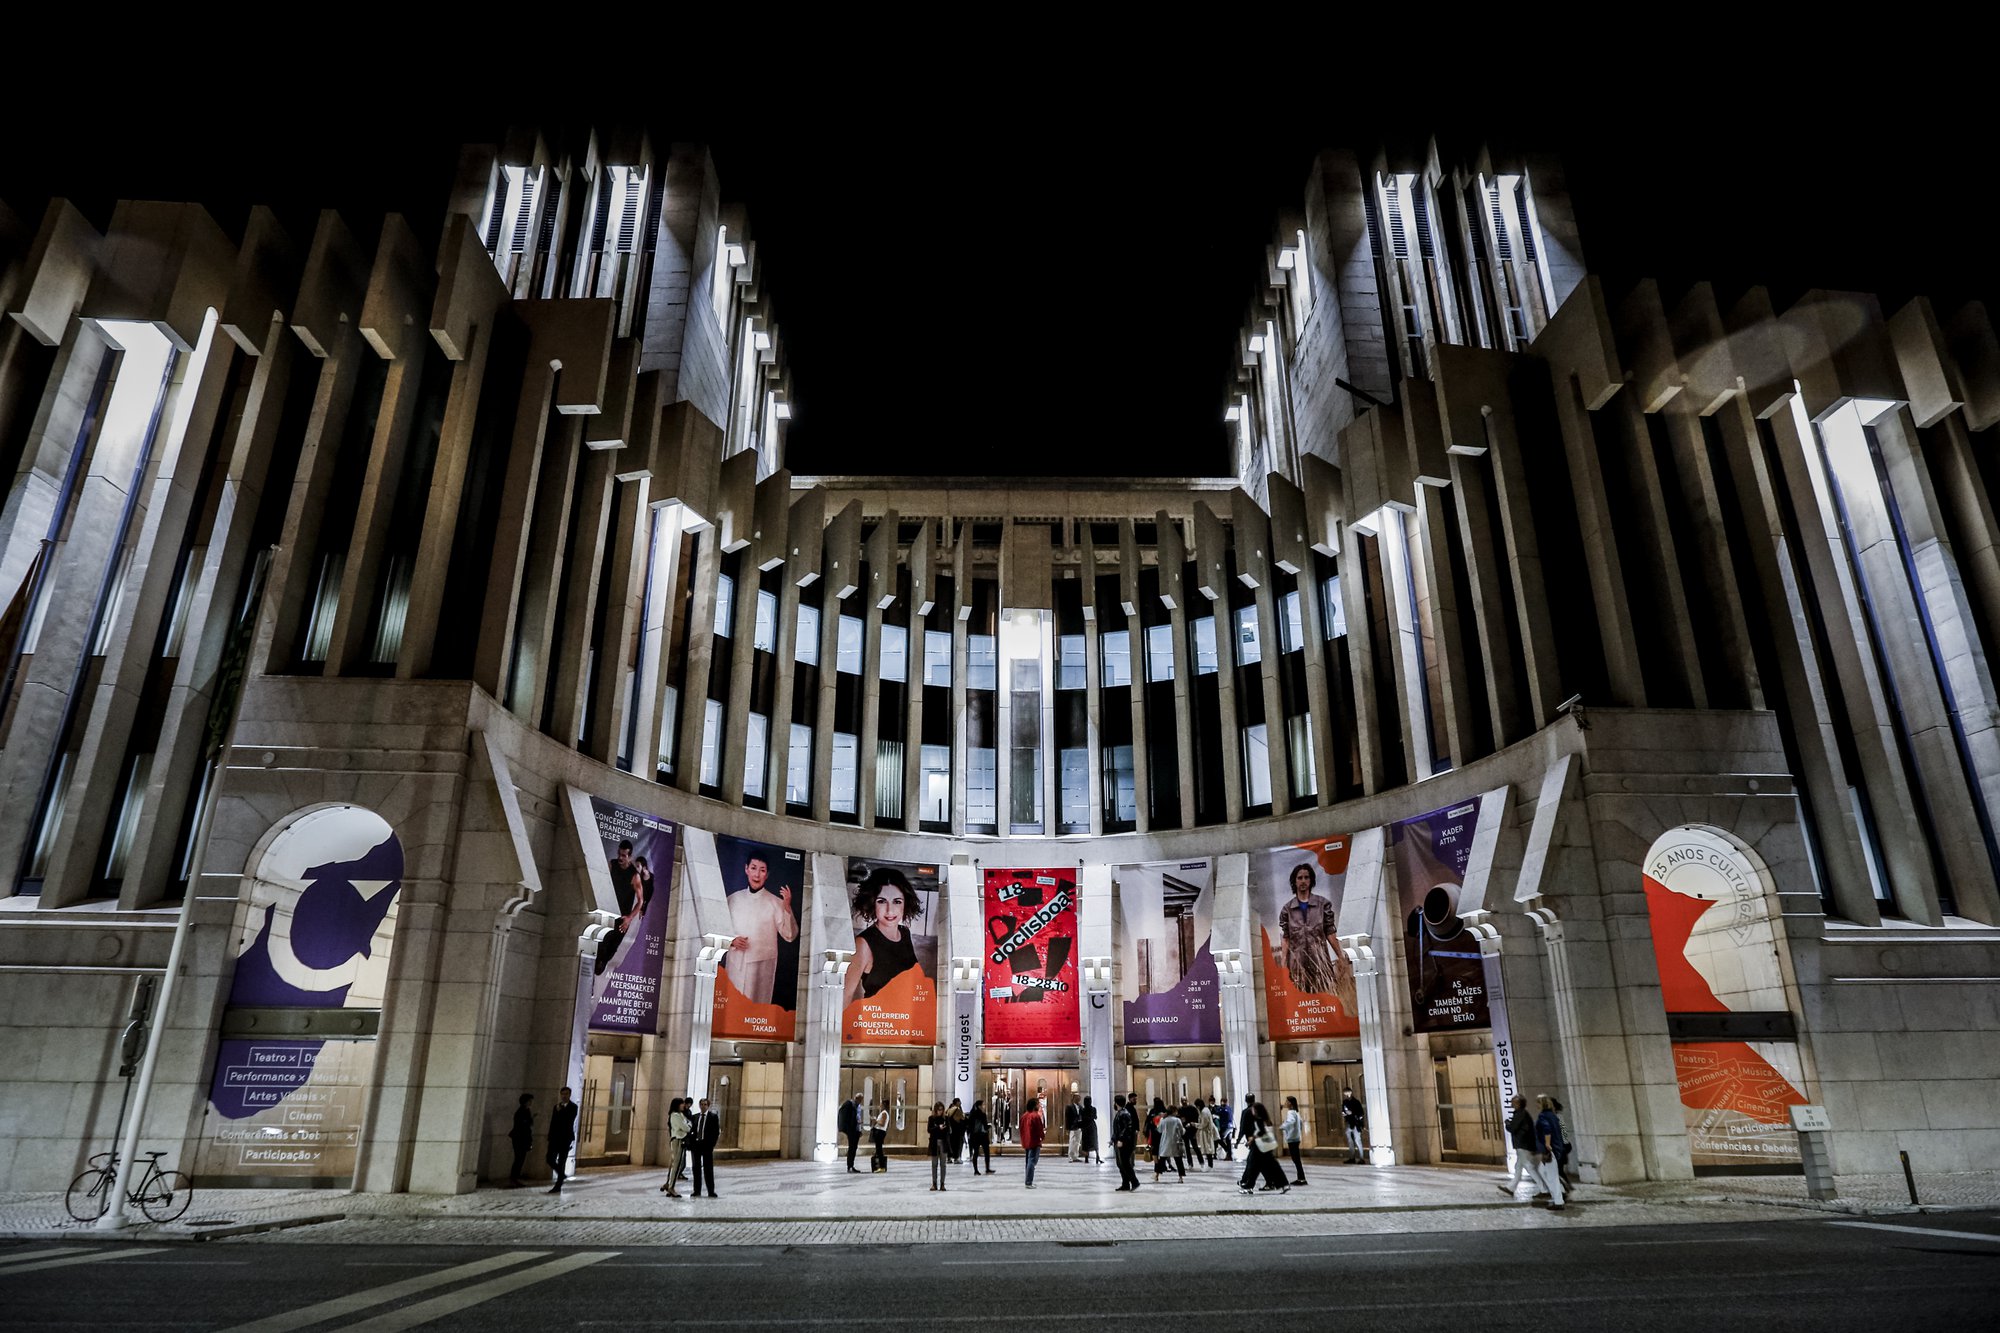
[
  {"x": 1729, "y": 997},
  {"x": 294, "y": 1061}
]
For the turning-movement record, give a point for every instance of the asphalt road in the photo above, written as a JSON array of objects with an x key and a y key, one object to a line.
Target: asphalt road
[{"x": 1925, "y": 1272}]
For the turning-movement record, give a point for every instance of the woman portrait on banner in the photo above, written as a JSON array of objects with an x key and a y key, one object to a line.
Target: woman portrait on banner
[
  {"x": 884, "y": 949},
  {"x": 1310, "y": 952}
]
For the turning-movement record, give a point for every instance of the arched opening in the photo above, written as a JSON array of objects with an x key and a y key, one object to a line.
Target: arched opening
[
  {"x": 294, "y": 1063},
  {"x": 1731, "y": 1005}
]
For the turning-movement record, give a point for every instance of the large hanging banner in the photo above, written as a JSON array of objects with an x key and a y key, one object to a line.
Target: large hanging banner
[
  {"x": 892, "y": 983},
  {"x": 321, "y": 918},
  {"x": 1717, "y": 950},
  {"x": 1308, "y": 981},
  {"x": 1030, "y": 973},
  {"x": 625, "y": 986},
  {"x": 756, "y": 993},
  {"x": 1447, "y": 975},
  {"x": 1169, "y": 909}
]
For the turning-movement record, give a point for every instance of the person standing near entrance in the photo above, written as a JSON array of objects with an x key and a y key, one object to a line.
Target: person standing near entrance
[
  {"x": 1124, "y": 1142},
  {"x": 1293, "y": 1132},
  {"x": 850, "y": 1128},
  {"x": 878, "y": 1136},
  {"x": 1204, "y": 1133},
  {"x": 1354, "y": 1118},
  {"x": 678, "y": 1126},
  {"x": 562, "y": 1137},
  {"x": 955, "y": 1123},
  {"x": 1003, "y": 1115},
  {"x": 522, "y": 1135},
  {"x": 702, "y": 1139},
  {"x": 1073, "y": 1128},
  {"x": 1225, "y": 1126},
  {"x": 939, "y": 1130},
  {"x": 979, "y": 1130},
  {"x": 1090, "y": 1133},
  {"x": 1032, "y": 1128}
]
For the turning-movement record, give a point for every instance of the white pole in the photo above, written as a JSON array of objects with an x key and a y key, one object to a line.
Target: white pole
[{"x": 115, "y": 1218}]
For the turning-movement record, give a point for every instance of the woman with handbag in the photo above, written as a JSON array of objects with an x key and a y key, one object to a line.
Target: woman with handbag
[
  {"x": 1263, "y": 1152},
  {"x": 678, "y": 1126}
]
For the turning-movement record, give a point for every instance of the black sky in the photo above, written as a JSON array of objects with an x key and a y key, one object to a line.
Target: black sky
[{"x": 965, "y": 288}]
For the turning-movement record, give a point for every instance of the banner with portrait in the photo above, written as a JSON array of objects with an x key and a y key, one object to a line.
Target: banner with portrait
[
  {"x": 1031, "y": 966},
  {"x": 1308, "y": 980},
  {"x": 892, "y": 983},
  {"x": 1168, "y": 969},
  {"x": 625, "y": 982},
  {"x": 757, "y": 990},
  {"x": 1447, "y": 974}
]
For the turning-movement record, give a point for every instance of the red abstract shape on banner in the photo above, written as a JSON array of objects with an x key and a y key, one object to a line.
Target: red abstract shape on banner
[{"x": 1030, "y": 970}]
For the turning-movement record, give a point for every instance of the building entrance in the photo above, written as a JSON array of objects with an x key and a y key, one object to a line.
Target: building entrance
[
  {"x": 750, "y": 1097},
  {"x": 1470, "y": 1127},
  {"x": 604, "y": 1130},
  {"x": 1006, "y": 1090},
  {"x": 907, "y": 1090},
  {"x": 1329, "y": 1081}
]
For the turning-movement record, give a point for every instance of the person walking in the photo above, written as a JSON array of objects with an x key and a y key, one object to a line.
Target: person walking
[
  {"x": 1032, "y": 1129},
  {"x": 1570, "y": 1178},
  {"x": 1124, "y": 1143},
  {"x": 1204, "y": 1133},
  {"x": 1353, "y": 1119},
  {"x": 1261, "y": 1150},
  {"x": 702, "y": 1138},
  {"x": 678, "y": 1126},
  {"x": 938, "y": 1128},
  {"x": 1293, "y": 1131},
  {"x": 1521, "y": 1134},
  {"x": 562, "y": 1136},
  {"x": 1549, "y": 1142},
  {"x": 522, "y": 1136},
  {"x": 1153, "y": 1118},
  {"x": 850, "y": 1128},
  {"x": 1090, "y": 1133},
  {"x": 1225, "y": 1131},
  {"x": 979, "y": 1132},
  {"x": 1172, "y": 1142},
  {"x": 878, "y": 1137},
  {"x": 1073, "y": 1129}
]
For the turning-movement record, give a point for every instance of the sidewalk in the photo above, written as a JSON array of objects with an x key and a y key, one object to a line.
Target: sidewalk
[{"x": 809, "y": 1203}]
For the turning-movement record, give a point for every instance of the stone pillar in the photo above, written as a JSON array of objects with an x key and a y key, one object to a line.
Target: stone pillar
[
  {"x": 1368, "y": 982},
  {"x": 1230, "y": 944},
  {"x": 1094, "y": 966},
  {"x": 961, "y": 1074},
  {"x": 1480, "y": 923},
  {"x": 831, "y": 945},
  {"x": 703, "y": 892}
]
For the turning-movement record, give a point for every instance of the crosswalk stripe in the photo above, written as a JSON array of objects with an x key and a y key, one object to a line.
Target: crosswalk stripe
[
  {"x": 382, "y": 1295},
  {"x": 42, "y": 1253},
  {"x": 437, "y": 1307},
  {"x": 1988, "y": 1237},
  {"x": 89, "y": 1257}
]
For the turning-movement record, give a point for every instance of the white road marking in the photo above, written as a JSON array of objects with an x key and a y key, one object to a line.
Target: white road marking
[
  {"x": 91, "y": 1257},
  {"x": 437, "y": 1307},
  {"x": 42, "y": 1253},
  {"x": 996, "y": 1263},
  {"x": 1924, "y": 1231},
  {"x": 1691, "y": 1240},
  {"x": 393, "y": 1291},
  {"x": 1342, "y": 1254}
]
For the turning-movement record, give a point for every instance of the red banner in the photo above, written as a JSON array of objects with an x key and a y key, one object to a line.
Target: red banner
[{"x": 1031, "y": 966}]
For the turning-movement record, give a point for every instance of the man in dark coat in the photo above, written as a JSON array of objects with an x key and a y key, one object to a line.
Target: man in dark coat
[
  {"x": 1124, "y": 1142},
  {"x": 850, "y": 1125},
  {"x": 562, "y": 1137},
  {"x": 701, "y": 1143},
  {"x": 522, "y": 1135}
]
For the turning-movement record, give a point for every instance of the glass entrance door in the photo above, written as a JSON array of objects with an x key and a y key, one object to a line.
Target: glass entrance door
[
  {"x": 906, "y": 1089},
  {"x": 1006, "y": 1090},
  {"x": 1468, "y": 1100}
]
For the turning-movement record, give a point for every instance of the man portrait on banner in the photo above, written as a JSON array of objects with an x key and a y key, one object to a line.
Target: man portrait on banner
[
  {"x": 761, "y": 919},
  {"x": 632, "y": 884},
  {"x": 1309, "y": 948}
]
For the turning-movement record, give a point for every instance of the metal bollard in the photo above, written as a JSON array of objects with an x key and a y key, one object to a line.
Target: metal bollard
[{"x": 1909, "y": 1177}]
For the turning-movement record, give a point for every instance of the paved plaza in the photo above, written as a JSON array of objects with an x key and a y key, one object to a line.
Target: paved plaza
[{"x": 810, "y": 1203}]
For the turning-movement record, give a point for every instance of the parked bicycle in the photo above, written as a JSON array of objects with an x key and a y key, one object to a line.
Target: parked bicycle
[{"x": 161, "y": 1195}]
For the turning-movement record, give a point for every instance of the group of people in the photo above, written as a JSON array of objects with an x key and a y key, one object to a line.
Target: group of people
[
  {"x": 1541, "y": 1149},
  {"x": 951, "y": 1128},
  {"x": 853, "y": 1113}
]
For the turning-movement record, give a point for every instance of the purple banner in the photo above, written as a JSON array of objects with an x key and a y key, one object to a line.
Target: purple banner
[
  {"x": 1165, "y": 955},
  {"x": 1447, "y": 975},
  {"x": 639, "y": 853}
]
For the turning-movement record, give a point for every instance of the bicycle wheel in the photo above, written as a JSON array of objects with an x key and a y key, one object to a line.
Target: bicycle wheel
[
  {"x": 89, "y": 1194},
  {"x": 166, "y": 1196}
]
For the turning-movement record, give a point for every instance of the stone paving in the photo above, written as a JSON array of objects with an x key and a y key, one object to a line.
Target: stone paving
[{"x": 807, "y": 1203}]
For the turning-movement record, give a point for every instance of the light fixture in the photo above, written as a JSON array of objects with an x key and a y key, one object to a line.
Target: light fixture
[
  {"x": 1288, "y": 258},
  {"x": 781, "y": 411},
  {"x": 1257, "y": 344},
  {"x": 761, "y": 341},
  {"x": 736, "y": 255},
  {"x": 1232, "y": 413}
]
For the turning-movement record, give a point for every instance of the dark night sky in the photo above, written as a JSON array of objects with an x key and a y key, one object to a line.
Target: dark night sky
[{"x": 968, "y": 290}]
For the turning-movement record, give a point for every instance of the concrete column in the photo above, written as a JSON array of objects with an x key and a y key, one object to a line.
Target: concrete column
[
  {"x": 569, "y": 675},
  {"x": 510, "y": 539},
  {"x": 1095, "y": 952},
  {"x": 1232, "y": 944},
  {"x": 531, "y": 675},
  {"x": 829, "y": 953},
  {"x": 621, "y": 644},
  {"x": 1362, "y": 919},
  {"x": 700, "y": 656},
  {"x": 963, "y": 919},
  {"x": 703, "y": 893},
  {"x": 1486, "y": 577}
]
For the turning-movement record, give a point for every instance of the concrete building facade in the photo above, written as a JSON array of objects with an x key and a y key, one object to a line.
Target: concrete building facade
[{"x": 1569, "y": 690}]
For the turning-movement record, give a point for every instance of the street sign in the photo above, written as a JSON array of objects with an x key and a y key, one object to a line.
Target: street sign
[{"x": 1810, "y": 1119}]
